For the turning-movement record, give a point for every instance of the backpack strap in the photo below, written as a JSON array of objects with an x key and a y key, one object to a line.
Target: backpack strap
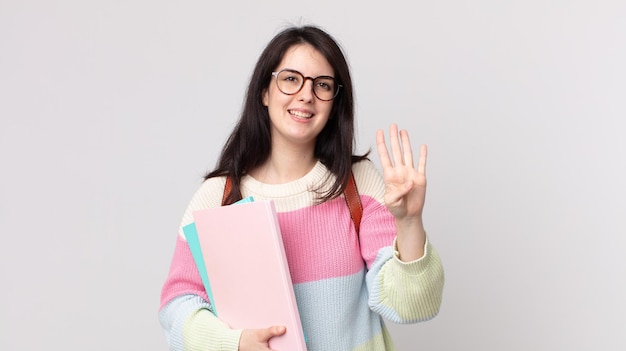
[
  {"x": 351, "y": 195},
  {"x": 228, "y": 187}
]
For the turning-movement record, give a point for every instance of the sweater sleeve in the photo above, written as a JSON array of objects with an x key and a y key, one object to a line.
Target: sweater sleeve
[
  {"x": 190, "y": 325},
  {"x": 402, "y": 292},
  {"x": 185, "y": 313},
  {"x": 406, "y": 292}
]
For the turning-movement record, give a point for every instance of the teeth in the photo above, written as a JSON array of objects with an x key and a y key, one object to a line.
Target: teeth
[{"x": 301, "y": 114}]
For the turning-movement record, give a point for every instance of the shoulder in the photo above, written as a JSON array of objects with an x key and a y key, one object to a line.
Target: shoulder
[
  {"x": 208, "y": 195},
  {"x": 369, "y": 179},
  {"x": 365, "y": 167}
]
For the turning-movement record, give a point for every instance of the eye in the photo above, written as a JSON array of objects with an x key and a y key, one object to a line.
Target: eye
[
  {"x": 290, "y": 77},
  {"x": 325, "y": 84}
]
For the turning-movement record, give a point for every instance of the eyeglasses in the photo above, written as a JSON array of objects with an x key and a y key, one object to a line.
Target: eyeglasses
[{"x": 290, "y": 82}]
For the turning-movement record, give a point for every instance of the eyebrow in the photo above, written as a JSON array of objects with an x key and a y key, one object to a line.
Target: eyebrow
[{"x": 295, "y": 70}]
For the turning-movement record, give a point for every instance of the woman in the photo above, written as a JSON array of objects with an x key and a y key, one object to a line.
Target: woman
[{"x": 294, "y": 144}]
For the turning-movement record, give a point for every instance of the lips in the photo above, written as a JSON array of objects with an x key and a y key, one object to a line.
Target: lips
[{"x": 300, "y": 114}]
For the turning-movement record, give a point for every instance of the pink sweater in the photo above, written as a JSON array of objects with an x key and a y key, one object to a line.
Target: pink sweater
[{"x": 344, "y": 286}]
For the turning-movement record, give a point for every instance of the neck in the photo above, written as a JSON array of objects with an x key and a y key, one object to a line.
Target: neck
[{"x": 284, "y": 166}]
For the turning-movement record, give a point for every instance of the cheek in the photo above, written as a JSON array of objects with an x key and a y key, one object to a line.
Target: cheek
[{"x": 329, "y": 111}]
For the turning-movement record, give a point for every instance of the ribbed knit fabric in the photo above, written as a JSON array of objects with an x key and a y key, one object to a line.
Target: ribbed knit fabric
[{"x": 344, "y": 286}]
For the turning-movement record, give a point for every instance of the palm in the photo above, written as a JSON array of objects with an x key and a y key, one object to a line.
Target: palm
[{"x": 405, "y": 186}]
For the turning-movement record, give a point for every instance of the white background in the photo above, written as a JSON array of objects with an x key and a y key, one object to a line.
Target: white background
[{"x": 111, "y": 111}]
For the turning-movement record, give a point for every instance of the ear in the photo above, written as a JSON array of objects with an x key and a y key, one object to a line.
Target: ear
[{"x": 265, "y": 98}]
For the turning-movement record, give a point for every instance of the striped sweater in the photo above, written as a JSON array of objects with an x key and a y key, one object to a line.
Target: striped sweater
[{"x": 344, "y": 286}]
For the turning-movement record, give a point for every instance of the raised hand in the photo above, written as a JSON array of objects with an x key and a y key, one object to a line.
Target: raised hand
[
  {"x": 405, "y": 190},
  {"x": 405, "y": 185}
]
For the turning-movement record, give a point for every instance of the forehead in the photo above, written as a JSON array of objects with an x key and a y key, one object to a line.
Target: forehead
[{"x": 307, "y": 60}]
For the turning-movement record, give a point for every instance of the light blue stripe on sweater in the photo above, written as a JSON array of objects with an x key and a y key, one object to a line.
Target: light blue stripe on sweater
[
  {"x": 348, "y": 322},
  {"x": 174, "y": 315},
  {"x": 387, "y": 312}
]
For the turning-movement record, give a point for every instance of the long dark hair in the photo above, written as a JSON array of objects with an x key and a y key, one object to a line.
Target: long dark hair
[{"x": 249, "y": 144}]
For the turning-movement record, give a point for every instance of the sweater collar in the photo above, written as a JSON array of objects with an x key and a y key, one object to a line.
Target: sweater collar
[{"x": 311, "y": 180}]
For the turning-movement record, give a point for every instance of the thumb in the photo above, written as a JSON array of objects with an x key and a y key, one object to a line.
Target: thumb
[{"x": 274, "y": 331}]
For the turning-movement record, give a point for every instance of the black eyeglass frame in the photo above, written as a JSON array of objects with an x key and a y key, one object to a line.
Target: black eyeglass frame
[{"x": 304, "y": 79}]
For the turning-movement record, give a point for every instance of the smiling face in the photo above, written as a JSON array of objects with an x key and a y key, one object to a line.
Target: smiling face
[{"x": 297, "y": 119}]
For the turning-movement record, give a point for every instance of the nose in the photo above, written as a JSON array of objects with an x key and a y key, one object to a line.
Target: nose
[{"x": 306, "y": 92}]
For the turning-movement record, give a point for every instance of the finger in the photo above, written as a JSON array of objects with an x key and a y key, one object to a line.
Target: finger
[
  {"x": 278, "y": 330},
  {"x": 394, "y": 142},
  {"x": 406, "y": 148},
  {"x": 267, "y": 333},
  {"x": 383, "y": 154},
  {"x": 421, "y": 166}
]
